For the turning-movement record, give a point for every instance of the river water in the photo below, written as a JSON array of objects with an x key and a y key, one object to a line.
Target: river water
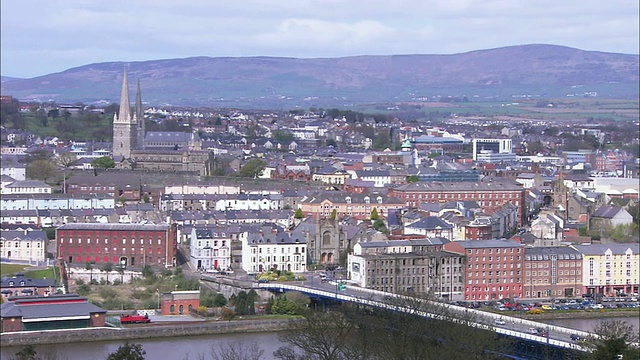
[
  {"x": 199, "y": 347},
  {"x": 590, "y": 324}
]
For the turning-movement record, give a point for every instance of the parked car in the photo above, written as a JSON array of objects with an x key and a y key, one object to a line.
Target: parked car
[{"x": 597, "y": 306}]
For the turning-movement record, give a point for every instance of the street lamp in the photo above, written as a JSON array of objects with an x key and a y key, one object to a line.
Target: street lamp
[{"x": 158, "y": 306}]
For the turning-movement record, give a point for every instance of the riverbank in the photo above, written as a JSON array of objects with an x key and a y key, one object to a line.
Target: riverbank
[
  {"x": 146, "y": 332},
  {"x": 179, "y": 329}
]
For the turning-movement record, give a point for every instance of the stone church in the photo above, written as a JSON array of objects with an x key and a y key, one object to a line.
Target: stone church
[{"x": 135, "y": 148}]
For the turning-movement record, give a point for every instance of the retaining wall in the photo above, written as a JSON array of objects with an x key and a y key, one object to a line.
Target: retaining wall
[{"x": 158, "y": 330}]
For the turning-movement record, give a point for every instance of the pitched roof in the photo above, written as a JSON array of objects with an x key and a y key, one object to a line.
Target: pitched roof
[{"x": 607, "y": 212}]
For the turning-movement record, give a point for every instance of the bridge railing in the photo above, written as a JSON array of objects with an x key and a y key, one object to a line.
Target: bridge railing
[{"x": 471, "y": 317}]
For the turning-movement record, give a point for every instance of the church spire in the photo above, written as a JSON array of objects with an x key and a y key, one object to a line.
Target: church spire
[
  {"x": 139, "y": 113},
  {"x": 125, "y": 106},
  {"x": 139, "y": 117}
]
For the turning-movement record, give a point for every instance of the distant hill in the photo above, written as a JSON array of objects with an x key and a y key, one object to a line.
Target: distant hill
[{"x": 268, "y": 82}]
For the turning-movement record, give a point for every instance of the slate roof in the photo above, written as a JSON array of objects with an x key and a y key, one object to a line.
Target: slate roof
[
  {"x": 563, "y": 252},
  {"x": 493, "y": 243},
  {"x": 22, "y": 235},
  {"x": 114, "y": 227},
  {"x": 607, "y": 212},
  {"x": 28, "y": 282},
  {"x": 408, "y": 242},
  {"x": 24, "y": 307},
  {"x": 599, "y": 249},
  {"x": 29, "y": 184},
  {"x": 430, "y": 223}
]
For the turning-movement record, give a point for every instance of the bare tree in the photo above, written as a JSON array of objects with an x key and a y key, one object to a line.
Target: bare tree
[
  {"x": 324, "y": 336},
  {"x": 236, "y": 350},
  {"x": 407, "y": 328},
  {"x": 613, "y": 339},
  {"x": 66, "y": 160}
]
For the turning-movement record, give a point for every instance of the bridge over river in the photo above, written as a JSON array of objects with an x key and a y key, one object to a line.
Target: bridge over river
[{"x": 528, "y": 344}]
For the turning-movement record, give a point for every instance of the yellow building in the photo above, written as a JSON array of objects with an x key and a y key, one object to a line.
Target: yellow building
[
  {"x": 358, "y": 206},
  {"x": 610, "y": 269}
]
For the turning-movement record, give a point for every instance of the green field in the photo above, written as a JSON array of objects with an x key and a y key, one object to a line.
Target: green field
[{"x": 11, "y": 269}]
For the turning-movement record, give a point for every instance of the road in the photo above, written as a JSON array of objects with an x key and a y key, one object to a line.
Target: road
[{"x": 512, "y": 324}]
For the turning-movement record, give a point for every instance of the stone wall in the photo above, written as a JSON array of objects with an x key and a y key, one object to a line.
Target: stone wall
[{"x": 157, "y": 330}]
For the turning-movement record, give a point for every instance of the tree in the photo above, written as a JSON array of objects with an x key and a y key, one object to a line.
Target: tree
[
  {"x": 253, "y": 168},
  {"x": 612, "y": 339},
  {"x": 413, "y": 178},
  {"x": 334, "y": 214},
  {"x": 280, "y": 135},
  {"x": 107, "y": 268},
  {"x": 128, "y": 352},
  {"x": 104, "y": 162},
  {"x": 66, "y": 160},
  {"x": 298, "y": 214},
  {"x": 219, "y": 300},
  {"x": 27, "y": 353},
  {"x": 316, "y": 340},
  {"x": 236, "y": 350},
  {"x": 240, "y": 302},
  {"x": 252, "y": 297},
  {"x": 374, "y": 214},
  {"x": 41, "y": 170},
  {"x": 89, "y": 266},
  {"x": 282, "y": 305},
  {"x": 535, "y": 147}
]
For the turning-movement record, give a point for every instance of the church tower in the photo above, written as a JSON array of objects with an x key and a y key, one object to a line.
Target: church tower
[{"x": 125, "y": 127}]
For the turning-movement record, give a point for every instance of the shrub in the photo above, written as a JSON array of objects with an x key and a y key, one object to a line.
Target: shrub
[
  {"x": 79, "y": 282},
  {"x": 107, "y": 293},
  {"x": 227, "y": 314},
  {"x": 83, "y": 290}
]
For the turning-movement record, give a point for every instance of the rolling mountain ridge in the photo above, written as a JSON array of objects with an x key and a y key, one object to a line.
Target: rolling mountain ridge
[{"x": 272, "y": 82}]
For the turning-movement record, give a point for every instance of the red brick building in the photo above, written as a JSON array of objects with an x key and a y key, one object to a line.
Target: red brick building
[
  {"x": 494, "y": 268},
  {"x": 115, "y": 185},
  {"x": 179, "y": 302},
  {"x": 491, "y": 195},
  {"x": 552, "y": 272},
  {"x": 479, "y": 229},
  {"x": 133, "y": 245}
]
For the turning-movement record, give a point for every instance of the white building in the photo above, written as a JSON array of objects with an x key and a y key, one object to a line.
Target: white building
[
  {"x": 271, "y": 248},
  {"x": 249, "y": 202},
  {"x": 54, "y": 201},
  {"x": 16, "y": 171},
  {"x": 25, "y": 187},
  {"x": 210, "y": 248},
  {"x": 23, "y": 245},
  {"x": 485, "y": 147}
]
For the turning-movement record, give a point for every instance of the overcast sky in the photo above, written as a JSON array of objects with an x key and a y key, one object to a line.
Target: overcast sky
[{"x": 40, "y": 37}]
